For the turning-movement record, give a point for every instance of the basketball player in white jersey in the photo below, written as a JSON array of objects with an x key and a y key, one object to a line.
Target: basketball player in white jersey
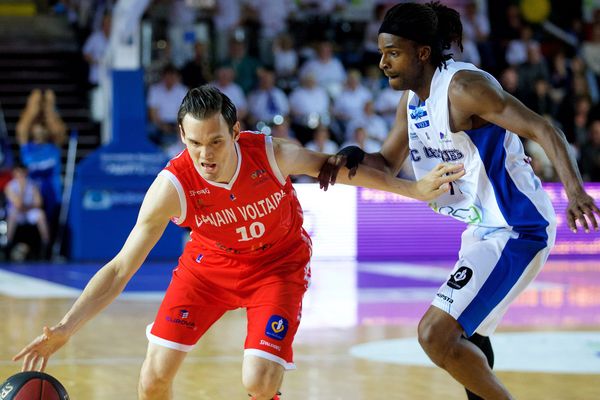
[{"x": 454, "y": 112}]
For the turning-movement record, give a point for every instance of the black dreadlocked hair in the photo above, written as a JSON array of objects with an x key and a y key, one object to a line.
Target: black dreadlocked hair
[{"x": 432, "y": 24}]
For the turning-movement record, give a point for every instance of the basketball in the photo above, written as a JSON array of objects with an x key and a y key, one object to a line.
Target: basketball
[{"x": 32, "y": 386}]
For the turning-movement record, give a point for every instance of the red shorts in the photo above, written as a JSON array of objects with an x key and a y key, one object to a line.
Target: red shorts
[{"x": 200, "y": 294}]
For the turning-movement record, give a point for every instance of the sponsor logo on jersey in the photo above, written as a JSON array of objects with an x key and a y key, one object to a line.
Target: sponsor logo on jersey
[
  {"x": 269, "y": 344},
  {"x": 421, "y": 125},
  {"x": 460, "y": 278},
  {"x": 199, "y": 258},
  {"x": 199, "y": 192},
  {"x": 413, "y": 136},
  {"x": 445, "y": 298},
  {"x": 277, "y": 327},
  {"x": 183, "y": 314},
  {"x": 418, "y": 113},
  {"x": 258, "y": 173},
  {"x": 179, "y": 320}
]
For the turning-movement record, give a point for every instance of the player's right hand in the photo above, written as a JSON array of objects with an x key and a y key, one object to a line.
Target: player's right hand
[
  {"x": 330, "y": 169},
  {"x": 35, "y": 355}
]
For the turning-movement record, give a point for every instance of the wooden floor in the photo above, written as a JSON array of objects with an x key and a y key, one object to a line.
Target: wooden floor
[{"x": 102, "y": 362}]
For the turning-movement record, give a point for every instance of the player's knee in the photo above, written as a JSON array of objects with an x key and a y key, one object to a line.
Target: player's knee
[
  {"x": 262, "y": 381},
  {"x": 152, "y": 383},
  {"x": 433, "y": 342}
]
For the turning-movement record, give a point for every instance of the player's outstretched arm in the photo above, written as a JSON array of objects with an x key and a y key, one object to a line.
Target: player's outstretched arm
[
  {"x": 472, "y": 93},
  {"x": 389, "y": 159},
  {"x": 160, "y": 204},
  {"x": 293, "y": 159}
]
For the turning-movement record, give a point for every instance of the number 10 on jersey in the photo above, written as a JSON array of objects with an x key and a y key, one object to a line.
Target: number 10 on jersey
[{"x": 256, "y": 230}]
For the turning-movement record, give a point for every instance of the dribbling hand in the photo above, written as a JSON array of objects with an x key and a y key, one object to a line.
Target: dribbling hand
[{"x": 35, "y": 355}]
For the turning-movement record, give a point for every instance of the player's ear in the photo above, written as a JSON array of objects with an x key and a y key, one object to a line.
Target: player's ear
[
  {"x": 424, "y": 53},
  {"x": 181, "y": 133},
  {"x": 235, "y": 131}
]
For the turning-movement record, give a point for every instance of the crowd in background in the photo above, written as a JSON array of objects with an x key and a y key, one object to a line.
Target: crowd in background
[{"x": 305, "y": 71}]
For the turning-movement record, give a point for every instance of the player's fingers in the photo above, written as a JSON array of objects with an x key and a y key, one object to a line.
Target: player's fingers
[
  {"x": 451, "y": 176},
  {"x": 27, "y": 362},
  {"x": 24, "y": 351},
  {"x": 590, "y": 215},
  {"x": 44, "y": 363},
  {"x": 579, "y": 215},
  {"x": 571, "y": 221},
  {"x": 352, "y": 172}
]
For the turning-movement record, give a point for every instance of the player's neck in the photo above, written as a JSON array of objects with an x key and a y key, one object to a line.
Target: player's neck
[{"x": 423, "y": 88}]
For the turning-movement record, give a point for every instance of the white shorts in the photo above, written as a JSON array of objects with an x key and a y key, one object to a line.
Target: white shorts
[{"x": 494, "y": 267}]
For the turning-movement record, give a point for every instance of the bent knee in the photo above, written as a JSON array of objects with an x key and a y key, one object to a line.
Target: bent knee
[
  {"x": 438, "y": 338},
  {"x": 262, "y": 381},
  {"x": 153, "y": 382}
]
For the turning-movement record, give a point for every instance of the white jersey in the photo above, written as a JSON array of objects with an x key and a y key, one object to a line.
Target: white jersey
[{"x": 499, "y": 189}]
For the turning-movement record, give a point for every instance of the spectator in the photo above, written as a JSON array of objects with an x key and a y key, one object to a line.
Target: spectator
[
  {"x": 273, "y": 16},
  {"x": 376, "y": 127},
  {"x": 197, "y": 71},
  {"x": 94, "y": 50},
  {"x": 225, "y": 76},
  {"x": 181, "y": 18},
  {"x": 518, "y": 49},
  {"x": 226, "y": 18},
  {"x": 41, "y": 133},
  {"x": 95, "y": 47},
  {"x": 590, "y": 51},
  {"x": 361, "y": 139},
  {"x": 350, "y": 103},
  {"x": 267, "y": 102},
  {"x": 327, "y": 70},
  {"x": 590, "y": 155},
  {"x": 309, "y": 107},
  {"x": 164, "y": 98},
  {"x": 533, "y": 69},
  {"x": 245, "y": 66},
  {"x": 285, "y": 61},
  {"x": 24, "y": 206},
  {"x": 322, "y": 142},
  {"x": 6, "y": 161},
  {"x": 386, "y": 104},
  {"x": 476, "y": 31}
]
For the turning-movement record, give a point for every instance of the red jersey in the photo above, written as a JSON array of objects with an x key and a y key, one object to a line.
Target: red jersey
[{"x": 256, "y": 214}]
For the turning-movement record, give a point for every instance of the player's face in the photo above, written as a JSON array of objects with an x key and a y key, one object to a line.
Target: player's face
[
  {"x": 211, "y": 146},
  {"x": 400, "y": 61}
]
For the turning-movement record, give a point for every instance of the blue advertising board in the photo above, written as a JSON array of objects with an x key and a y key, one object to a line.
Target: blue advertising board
[{"x": 110, "y": 184}]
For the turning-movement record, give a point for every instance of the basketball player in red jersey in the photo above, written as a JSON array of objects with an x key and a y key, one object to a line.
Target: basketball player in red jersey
[{"x": 247, "y": 247}]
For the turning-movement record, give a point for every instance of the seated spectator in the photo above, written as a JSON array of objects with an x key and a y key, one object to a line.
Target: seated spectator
[
  {"x": 244, "y": 65},
  {"x": 285, "y": 61},
  {"x": 309, "y": 107},
  {"x": 164, "y": 98},
  {"x": 518, "y": 49},
  {"x": 590, "y": 154},
  {"x": 197, "y": 71},
  {"x": 41, "y": 133},
  {"x": 376, "y": 127},
  {"x": 24, "y": 206},
  {"x": 322, "y": 142},
  {"x": 267, "y": 102},
  {"x": 6, "y": 161},
  {"x": 351, "y": 101},
  {"x": 361, "y": 139},
  {"x": 327, "y": 70},
  {"x": 225, "y": 82},
  {"x": 590, "y": 50},
  {"x": 94, "y": 48},
  {"x": 282, "y": 130},
  {"x": 386, "y": 104}
]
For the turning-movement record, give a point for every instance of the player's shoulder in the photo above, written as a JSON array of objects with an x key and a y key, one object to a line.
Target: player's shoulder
[
  {"x": 180, "y": 162},
  {"x": 252, "y": 139}
]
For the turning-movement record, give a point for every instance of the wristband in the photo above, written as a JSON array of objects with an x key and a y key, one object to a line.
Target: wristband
[{"x": 354, "y": 156}]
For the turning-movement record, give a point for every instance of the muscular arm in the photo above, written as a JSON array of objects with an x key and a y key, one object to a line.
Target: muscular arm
[
  {"x": 473, "y": 94},
  {"x": 294, "y": 159},
  {"x": 161, "y": 203}
]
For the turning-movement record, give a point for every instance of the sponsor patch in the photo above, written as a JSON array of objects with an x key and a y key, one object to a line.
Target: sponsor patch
[
  {"x": 277, "y": 327},
  {"x": 460, "y": 278}
]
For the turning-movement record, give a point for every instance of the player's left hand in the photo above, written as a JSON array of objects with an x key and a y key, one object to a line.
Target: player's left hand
[
  {"x": 438, "y": 180},
  {"x": 582, "y": 209}
]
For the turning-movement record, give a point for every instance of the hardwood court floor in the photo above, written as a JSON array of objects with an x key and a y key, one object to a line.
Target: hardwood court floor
[{"x": 102, "y": 361}]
